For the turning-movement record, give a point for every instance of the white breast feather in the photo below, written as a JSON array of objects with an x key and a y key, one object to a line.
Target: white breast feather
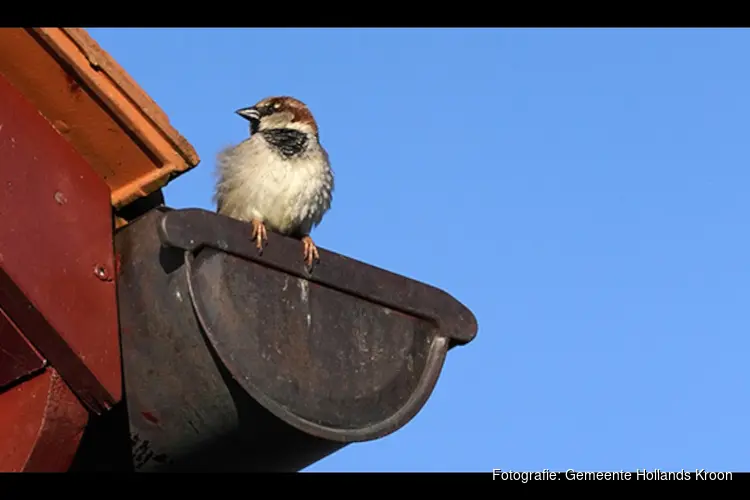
[{"x": 287, "y": 194}]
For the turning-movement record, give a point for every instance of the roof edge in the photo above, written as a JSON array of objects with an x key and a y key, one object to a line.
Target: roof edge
[
  {"x": 168, "y": 153},
  {"x": 100, "y": 61}
]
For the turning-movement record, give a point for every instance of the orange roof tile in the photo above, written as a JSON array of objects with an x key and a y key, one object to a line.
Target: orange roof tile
[{"x": 123, "y": 134}]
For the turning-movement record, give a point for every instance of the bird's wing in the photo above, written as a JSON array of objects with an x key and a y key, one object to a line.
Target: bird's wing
[{"x": 223, "y": 158}]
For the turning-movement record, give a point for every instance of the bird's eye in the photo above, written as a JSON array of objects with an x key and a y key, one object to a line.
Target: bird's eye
[{"x": 276, "y": 105}]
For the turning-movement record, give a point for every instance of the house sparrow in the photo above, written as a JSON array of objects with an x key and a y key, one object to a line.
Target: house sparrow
[{"x": 279, "y": 178}]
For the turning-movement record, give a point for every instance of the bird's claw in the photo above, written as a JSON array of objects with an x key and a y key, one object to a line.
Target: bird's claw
[
  {"x": 259, "y": 234},
  {"x": 309, "y": 251}
]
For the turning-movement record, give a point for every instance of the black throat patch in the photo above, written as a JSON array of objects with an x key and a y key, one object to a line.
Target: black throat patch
[{"x": 288, "y": 142}]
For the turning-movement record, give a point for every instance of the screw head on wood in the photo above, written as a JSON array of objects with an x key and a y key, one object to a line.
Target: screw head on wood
[{"x": 101, "y": 273}]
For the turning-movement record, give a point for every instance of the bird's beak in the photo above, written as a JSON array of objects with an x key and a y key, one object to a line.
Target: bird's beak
[{"x": 250, "y": 113}]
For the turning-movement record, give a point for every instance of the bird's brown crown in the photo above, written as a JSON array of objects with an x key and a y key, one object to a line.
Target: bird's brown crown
[{"x": 296, "y": 109}]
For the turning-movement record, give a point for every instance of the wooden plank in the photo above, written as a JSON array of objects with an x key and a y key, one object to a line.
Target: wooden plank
[
  {"x": 18, "y": 359},
  {"x": 56, "y": 252},
  {"x": 92, "y": 102},
  {"x": 41, "y": 425}
]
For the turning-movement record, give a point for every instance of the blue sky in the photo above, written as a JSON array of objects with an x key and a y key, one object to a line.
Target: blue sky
[{"x": 584, "y": 192}]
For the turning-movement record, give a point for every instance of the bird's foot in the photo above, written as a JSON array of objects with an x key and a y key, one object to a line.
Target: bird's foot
[
  {"x": 259, "y": 234},
  {"x": 309, "y": 251}
]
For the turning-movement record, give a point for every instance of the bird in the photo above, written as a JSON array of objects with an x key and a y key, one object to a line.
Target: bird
[{"x": 280, "y": 177}]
